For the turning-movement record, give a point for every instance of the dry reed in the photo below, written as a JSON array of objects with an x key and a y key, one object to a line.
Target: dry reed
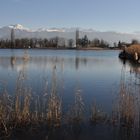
[
  {"x": 24, "y": 109},
  {"x": 97, "y": 115}
]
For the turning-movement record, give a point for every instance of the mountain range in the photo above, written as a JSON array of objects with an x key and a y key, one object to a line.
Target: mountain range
[{"x": 68, "y": 33}]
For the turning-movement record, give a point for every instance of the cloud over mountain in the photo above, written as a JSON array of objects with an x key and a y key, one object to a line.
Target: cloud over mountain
[{"x": 68, "y": 33}]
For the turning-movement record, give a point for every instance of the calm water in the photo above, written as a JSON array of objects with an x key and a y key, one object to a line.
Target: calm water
[{"x": 96, "y": 74}]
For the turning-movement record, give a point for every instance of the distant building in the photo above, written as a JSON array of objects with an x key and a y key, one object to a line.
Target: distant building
[
  {"x": 71, "y": 43},
  {"x": 77, "y": 38},
  {"x": 61, "y": 43},
  {"x": 12, "y": 37}
]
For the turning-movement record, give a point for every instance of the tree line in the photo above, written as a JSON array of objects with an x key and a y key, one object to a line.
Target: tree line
[
  {"x": 57, "y": 42},
  {"x": 29, "y": 43}
]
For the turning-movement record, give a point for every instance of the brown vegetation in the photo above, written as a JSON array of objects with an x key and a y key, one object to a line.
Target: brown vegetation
[
  {"x": 131, "y": 53},
  {"x": 26, "y": 110},
  {"x": 97, "y": 115},
  {"x": 133, "y": 48}
]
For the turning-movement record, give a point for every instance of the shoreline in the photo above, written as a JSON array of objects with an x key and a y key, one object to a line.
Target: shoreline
[
  {"x": 84, "y": 49},
  {"x": 131, "y": 53}
]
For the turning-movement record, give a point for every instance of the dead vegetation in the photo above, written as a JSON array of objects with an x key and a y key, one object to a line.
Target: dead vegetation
[
  {"x": 54, "y": 104},
  {"x": 132, "y": 49},
  {"x": 126, "y": 109},
  {"x": 97, "y": 115},
  {"x": 76, "y": 114},
  {"x": 24, "y": 109}
]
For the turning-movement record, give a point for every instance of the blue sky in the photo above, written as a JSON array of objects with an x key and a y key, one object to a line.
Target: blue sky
[{"x": 102, "y": 15}]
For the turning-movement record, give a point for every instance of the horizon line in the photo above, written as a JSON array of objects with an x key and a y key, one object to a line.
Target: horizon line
[{"x": 70, "y": 27}]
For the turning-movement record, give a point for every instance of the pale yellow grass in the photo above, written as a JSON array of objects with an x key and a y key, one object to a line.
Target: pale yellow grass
[{"x": 133, "y": 49}]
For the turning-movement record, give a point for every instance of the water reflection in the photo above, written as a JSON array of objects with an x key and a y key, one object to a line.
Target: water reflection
[
  {"x": 13, "y": 61},
  {"x": 93, "y": 73},
  {"x": 91, "y": 70},
  {"x": 133, "y": 67}
]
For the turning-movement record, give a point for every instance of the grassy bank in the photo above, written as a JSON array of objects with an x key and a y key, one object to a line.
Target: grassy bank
[
  {"x": 132, "y": 53},
  {"x": 132, "y": 49}
]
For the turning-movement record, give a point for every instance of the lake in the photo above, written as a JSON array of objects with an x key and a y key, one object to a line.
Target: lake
[{"x": 95, "y": 75}]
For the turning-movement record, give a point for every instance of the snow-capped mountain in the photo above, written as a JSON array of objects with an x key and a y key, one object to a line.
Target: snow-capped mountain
[
  {"x": 68, "y": 33},
  {"x": 18, "y": 27}
]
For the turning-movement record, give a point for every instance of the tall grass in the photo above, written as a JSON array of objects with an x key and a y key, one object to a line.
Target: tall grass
[
  {"x": 24, "y": 109},
  {"x": 132, "y": 53},
  {"x": 54, "y": 104},
  {"x": 76, "y": 114},
  {"x": 132, "y": 49},
  {"x": 126, "y": 111},
  {"x": 97, "y": 115}
]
